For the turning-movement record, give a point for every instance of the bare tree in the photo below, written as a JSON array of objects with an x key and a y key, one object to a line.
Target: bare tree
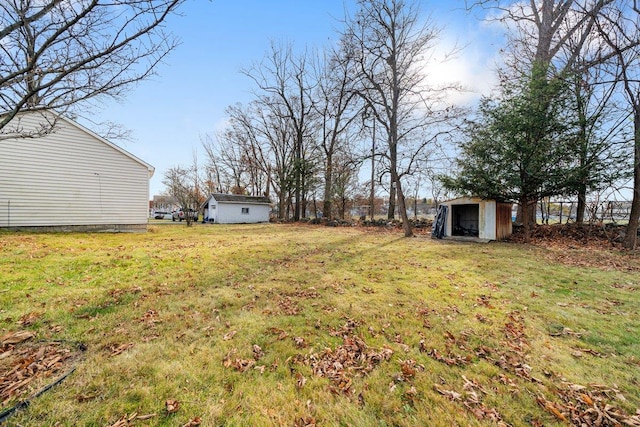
[
  {"x": 541, "y": 30},
  {"x": 620, "y": 28},
  {"x": 269, "y": 140},
  {"x": 188, "y": 188},
  {"x": 58, "y": 54},
  {"x": 393, "y": 45},
  {"x": 226, "y": 155},
  {"x": 282, "y": 79},
  {"x": 335, "y": 104},
  {"x": 181, "y": 183},
  {"x": 345, "y": 182}
]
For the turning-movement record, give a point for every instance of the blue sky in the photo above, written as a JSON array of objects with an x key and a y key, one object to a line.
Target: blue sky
[{"x": 168, "y": 114}]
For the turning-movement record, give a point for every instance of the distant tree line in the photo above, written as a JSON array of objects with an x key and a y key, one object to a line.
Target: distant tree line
[
  {"x": 564, "y": 121},
  {"x": 303, "y": 136}
]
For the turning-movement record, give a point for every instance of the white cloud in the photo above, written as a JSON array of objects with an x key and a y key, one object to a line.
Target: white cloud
[{"x": 472, "y": 67}]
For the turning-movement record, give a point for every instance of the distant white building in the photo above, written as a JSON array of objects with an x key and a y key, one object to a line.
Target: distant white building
[
  {"x": 236, "y": 209},
  {"x": 70, "y": 179}
]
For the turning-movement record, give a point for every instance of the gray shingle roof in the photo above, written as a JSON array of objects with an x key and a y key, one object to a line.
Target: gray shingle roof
[{"x": 238, "y": 198}]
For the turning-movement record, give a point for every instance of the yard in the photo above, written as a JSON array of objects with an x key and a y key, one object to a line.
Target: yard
[{"x": 291, "y": 325}]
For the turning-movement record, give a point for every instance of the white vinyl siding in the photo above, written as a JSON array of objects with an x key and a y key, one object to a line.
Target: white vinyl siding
[
  {"x": 233, "y": 213},
  {"x": 70, "y": 177}
]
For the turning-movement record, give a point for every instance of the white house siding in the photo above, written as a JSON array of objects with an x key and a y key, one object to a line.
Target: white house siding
[
  {"x": 231, "y": 213},
  {"x": 71, "y": 178},
  {"x": 227, "y": 209}
]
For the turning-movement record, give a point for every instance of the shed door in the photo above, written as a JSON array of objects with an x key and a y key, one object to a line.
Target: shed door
[
  {"x": 438, "y": 230},
  {"x": 465, "y": 220}
]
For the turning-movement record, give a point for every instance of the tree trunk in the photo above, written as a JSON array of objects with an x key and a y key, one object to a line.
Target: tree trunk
[
  {"x": 631, "y": 236},
  {"x": 582, "y": 205},
  {"x": 525, "y": 208},
  {"x": 328, "y": 184},
  {"x": 531, "y": 214},
  {"x": 282, "y": 202},
  {"x": 298, "y": 179},
  {"x": 391, "y": 213},
  {"x": 396, "y": 187},
  {"x": 526, "y": 216},
  {"x": 406, "y": 225}
]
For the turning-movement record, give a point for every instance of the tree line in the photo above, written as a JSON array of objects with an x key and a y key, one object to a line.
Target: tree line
[
  {"x": 303, "y": 136},
  {"x": 564, "y": 120}
]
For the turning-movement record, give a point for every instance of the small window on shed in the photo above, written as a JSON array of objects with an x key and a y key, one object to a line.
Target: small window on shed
[{"x": 245, "y": 211}]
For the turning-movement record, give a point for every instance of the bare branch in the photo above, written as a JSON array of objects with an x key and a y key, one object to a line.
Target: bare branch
[{"x": 63, "y": 54}]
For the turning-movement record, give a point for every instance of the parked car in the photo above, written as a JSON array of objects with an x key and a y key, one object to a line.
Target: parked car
[
  {"x": 161, "y": 215},
  {"x": 180, "y": 214}
]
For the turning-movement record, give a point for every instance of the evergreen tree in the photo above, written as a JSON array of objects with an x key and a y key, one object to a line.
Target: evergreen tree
[{"x": 518, "y": 148}]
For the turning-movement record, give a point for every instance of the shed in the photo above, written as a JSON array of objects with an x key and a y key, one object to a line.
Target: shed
[
  {"x": 473, "y": 217},
  {"x": 236, "y": 209},
  {"x": 70, "y": 179}
]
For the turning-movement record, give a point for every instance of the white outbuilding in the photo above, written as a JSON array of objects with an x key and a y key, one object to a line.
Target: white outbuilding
[
  {"x": 236, "y": 209},
  {"x": 473, "y": 217},
  {"x": 69, "y": 179}
]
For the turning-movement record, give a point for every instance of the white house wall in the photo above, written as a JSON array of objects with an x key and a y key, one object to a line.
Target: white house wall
[
  {"x": 231, "y": 213},
  {"x": 70, "y": 178}
]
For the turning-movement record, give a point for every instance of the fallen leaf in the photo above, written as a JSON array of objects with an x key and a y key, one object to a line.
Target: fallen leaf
[
  {"x": 122, "y": 422},
  {"x": 305, "y": 422},
  {"x": 172, "y": 406},
  {"x": 586, "y": 399},
  {"x": 16, "y": 337},
  {"x": 300, "y": 380},
  {"x": 120, "y": 349},
  {"x": 29, "y": 318},
  {"x": 453, "y": 395},
  {"x": 257, "y": 352},
  {"x": 193, "y": 422},
  {"x": 229, "y": 335}
]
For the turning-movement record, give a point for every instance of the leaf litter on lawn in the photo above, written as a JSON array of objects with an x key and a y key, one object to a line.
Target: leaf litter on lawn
[
  {"x": 353, "y": 357},
  {"x": 27, "y": 366}
]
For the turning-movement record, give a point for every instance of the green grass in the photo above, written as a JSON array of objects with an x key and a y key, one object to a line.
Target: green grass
[{"x": 189, "y": 304}]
